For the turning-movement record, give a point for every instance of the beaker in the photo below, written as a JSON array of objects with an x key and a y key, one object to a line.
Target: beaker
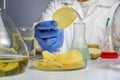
[
  {"x": 28, "y": 37},
  {"x": 79, "y": 41},
  {"x": 108, "y": 51},
  {"x": 13, "y": 51}
]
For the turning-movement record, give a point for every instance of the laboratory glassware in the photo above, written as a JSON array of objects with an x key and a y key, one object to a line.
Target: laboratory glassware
[
  {"x": 117, "y": 48},
  {"x": 13, "y": 51},
  {"x": 27, "y": 34},
  {"x": 108, "y": 51},
  {"x": 79, "y": 41}
]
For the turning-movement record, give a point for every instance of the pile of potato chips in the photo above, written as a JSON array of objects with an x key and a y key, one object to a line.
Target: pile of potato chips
[{"x": 70, "y": 59}]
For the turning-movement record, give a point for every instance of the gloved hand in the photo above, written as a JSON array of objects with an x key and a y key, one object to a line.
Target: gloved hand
[{"x": 49, "y": 37}]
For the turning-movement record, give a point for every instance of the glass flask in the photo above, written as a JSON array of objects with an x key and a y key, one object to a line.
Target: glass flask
[
  {"x": 79, "y": 42},
  {"x": 108, "y": 50},
  {"x": 13, "y": 51},
  {"x": 27, "y": 34}
]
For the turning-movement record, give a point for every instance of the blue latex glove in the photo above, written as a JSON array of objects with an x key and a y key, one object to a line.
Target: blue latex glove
[{"x": 49, "y": 37}]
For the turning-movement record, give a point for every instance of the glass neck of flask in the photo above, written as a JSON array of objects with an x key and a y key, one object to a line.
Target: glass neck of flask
[
  {"x": 109, "y": 31},
  {"x": 79, "y": 31},
  {"x": 79, "y": 35},
  {"x": 109, "y": 42}
]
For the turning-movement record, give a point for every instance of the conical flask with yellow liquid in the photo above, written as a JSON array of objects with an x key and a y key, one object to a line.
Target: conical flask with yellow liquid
[{"x": 13, "y": 51}]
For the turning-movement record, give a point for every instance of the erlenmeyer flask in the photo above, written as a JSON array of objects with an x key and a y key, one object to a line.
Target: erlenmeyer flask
[
  {"x": 108, "y": 50},
  {"x": 13, "y": 51},
  {"x": 79, "y": 41}
]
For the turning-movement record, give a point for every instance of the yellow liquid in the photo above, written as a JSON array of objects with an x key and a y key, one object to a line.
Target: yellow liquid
[{"x": 12, "y": 65}]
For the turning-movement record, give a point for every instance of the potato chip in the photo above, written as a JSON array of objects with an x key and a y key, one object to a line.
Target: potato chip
[
  {"x": 70, "y": 59},
  {"x": 38, "y": 63},
  {"x": 8, "y": 67},
  {"x": 47, "y": 55},
  {"x": 64, "y": 17},
  {"x": 48, "y": 64},
  {"x": 72, "y": 65}
]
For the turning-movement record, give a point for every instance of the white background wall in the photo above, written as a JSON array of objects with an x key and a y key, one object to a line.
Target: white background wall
[{"x": 25, "y": 12}]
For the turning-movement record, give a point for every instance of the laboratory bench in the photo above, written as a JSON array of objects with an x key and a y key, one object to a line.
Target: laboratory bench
[{"x": 100, "y": 69}]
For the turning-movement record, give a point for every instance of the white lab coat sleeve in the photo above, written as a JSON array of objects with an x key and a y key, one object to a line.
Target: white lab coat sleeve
[{"x": 116, "y": 26}]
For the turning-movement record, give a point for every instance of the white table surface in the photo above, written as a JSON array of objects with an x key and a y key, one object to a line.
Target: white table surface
[{"x": 96, "y": 70}]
